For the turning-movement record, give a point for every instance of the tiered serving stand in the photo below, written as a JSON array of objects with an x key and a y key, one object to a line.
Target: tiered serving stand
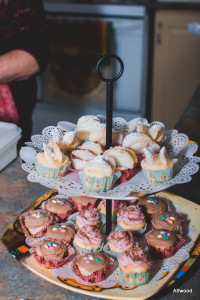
[{"x": 178, "y": 145}]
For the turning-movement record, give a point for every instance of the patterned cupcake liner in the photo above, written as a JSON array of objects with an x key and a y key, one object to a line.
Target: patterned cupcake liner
[
  {"x": 83, "y": 205},
  {"x": 39, "y": 233},
  {"x": 62, "y": 217},
  {"x": 80, "y": 250},
  {"x": 96, "y": 276},
  {"x": 50, "y": 172},
  {"x": 134, "y": 279},
  {"x": 159, "y": 176},
  {"x": 136, "y": 233},
  {"x": 126, "y": 175},
  {"x": 166, "y": 253},
  {"x": 50, "y": 263},
  {"x": 113, "y": 254},
  {"x": 94, "y": 184}
]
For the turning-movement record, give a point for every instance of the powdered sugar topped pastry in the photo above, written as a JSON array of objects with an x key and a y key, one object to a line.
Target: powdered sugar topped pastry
[
  {"x": 67, "y": 141},
  {"x": 53, "y": 162},
  {"x": 86, "y": 124},
  {"x": 100, "y": 167},
  {"x": 99, "y": 136},
  {"x": 158, "y": 168},
  {"x": 140, "y": 141},
  {"x": 125, "y": 157},
  {"x": 84, "y": 153},
  {"x": 155, "y": 131}
]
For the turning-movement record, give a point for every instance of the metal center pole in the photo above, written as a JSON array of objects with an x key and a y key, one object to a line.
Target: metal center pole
[{"x": 109, "y": 113}]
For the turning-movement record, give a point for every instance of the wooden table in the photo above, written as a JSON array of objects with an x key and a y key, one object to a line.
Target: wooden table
[{"x": 16, "y": 193}]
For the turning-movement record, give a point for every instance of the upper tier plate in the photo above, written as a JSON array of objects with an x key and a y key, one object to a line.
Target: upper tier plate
[{"x": 177, "y": 145}]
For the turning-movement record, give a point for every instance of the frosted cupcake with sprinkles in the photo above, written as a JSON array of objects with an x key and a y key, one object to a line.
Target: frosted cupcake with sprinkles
[
  {"x": 61, "y": 207},
  {"x": 158, "y": 168}
]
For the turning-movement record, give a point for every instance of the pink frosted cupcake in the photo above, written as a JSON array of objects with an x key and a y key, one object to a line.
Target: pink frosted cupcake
[
  {"x": 118, "y": 242},
  {"x": 61, "y": 231},
  {"x": 83, "y": 202},
  {"x": 52, "y": 254},
  {"x": 93, "y": 267},
  {"x": 163, "y": 243},
  {"x": 88, "y": 217},
  {"x": 60, "y": 207},
  {"x": 132, "y": 218},
  {"x": 34, "y": 223},
  {"x": 134, "y": 266},
  {"x": 88, "y": 239},
  {"x": 116, "y": 206}
]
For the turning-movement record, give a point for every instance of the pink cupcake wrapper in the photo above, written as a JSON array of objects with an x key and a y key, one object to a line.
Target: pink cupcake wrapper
[
  {"x": 96, "y": 276},
  {"x": 51, "y": 263},
  {"x": 166, "y": 253},
  {"x": 38, "y": 234}
]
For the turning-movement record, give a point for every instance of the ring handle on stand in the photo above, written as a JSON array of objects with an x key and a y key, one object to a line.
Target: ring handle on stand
[{"x": 115, "y": 77}]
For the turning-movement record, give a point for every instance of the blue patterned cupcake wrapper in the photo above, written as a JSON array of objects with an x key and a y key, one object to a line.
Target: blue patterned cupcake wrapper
[
  {"x": 94, "y": 184},
  {"x": 50, "y": 172},
  {"x": 134, "y": 279},
  {"x": 80, "y": 250},
  {"x": 159, "y": 176},
  {"x": 136, "y": 233}
]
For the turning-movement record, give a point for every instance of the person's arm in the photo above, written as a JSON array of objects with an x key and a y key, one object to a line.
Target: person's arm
[{"x": 17, "y": 65}]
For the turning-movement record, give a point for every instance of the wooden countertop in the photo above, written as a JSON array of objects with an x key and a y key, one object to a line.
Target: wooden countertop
[{"x": 16, "y": 193}]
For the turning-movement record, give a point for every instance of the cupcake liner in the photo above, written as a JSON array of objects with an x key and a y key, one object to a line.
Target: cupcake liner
[
  {"x": 166, "y": 253},
  {"x": 94, "y": 184},
  {"x": 38, "y": 234},
  {"x": 126, "y": 175},
  {"x": 134, "y": 279},
  {"x": 80, "y": 250},
  {"x": 113, "y": 254},
  {"x": 62, "y": 217},
  {"x": 81, "y": 206},
  {"x": 50, "y": 263},
  {"x": 50, "y": 172},
  {"x": 159, "y": 176},
  {"x": 136, "y": 233},
  {"x": 96, "y": 276}
]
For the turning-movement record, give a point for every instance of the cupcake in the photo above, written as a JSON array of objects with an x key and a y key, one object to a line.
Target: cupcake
[
  {"x": 66, "y": 141},
  {"x": 134, "y": 267},
  {"x": 132, "y": 218},
  {"x": 93, "y": 267},
  {"x": 84, "y": 202},
  {"x": 86, "y": 124},
  {"x": 116, "y": 206},
  {"x": 60, "y": 207},
  {"x": 51, "y": 254},
  {"x": 84, "y": 153},
  {"x": 34, "y": 223},
  {"x": 155, "y": 132},
  {"x": 88, "y": 239},
  {"x": 169, "y": 221},
  {"x": 152, "y": 205},
  {"x": 52, "y": 163},
  {"x": 163, "y": 243},
  {"x": 138, "y": 142},
  {"x": 88, "y": 217},
  {"x": 98, "y": 135},
  {"x": 62, "y": 231},
  {"x": 126, "y": 161},
  {"x": 118, "y": 242},
  {"x": 158, "y": 168},
  {"x": 100, "y": 174}
]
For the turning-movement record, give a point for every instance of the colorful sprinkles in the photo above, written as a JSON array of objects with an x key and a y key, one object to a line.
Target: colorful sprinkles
[
  {"x": 38, "y": 214},
  {"x": 151, "y": 200},
  {"x": 164, "y": 235},
  {"x": 89, "y": 258},
  {"x": 61, "y": 202},
  {"x": 60, "y": 227},
  {"x": 168, "y": 218}
]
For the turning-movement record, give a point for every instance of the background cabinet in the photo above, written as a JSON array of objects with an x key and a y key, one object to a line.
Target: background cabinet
[{"x": 176, "y": 67}]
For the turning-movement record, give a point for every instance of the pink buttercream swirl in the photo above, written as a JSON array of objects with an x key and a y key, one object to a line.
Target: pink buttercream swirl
[
  {"x": 88, "y": 217},
  {"x": 133, "y": 256},
  {"x": 121, "y": 238},
  {"x": 131, "y": 215},
  {"x": 116, "y": 204},
  {"x": 89, "y": 235}
]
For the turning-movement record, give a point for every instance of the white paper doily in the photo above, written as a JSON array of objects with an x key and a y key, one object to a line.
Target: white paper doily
[{"x": 70, "y": 185}]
